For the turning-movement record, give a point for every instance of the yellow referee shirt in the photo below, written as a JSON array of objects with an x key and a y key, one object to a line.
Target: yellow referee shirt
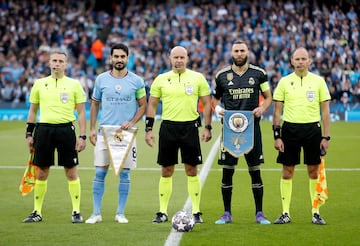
[
  {"x": 301, "y": 97},
  {"x": 179, "y": 94},
  {"x": 57, "y": 99}
]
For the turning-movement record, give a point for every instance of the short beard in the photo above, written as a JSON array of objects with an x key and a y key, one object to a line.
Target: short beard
[
  {"x": 120, "y": 67},
  {"x": 239, "y": 64}
]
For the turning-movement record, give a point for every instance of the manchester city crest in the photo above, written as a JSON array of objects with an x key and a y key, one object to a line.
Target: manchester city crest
[
  {"x": 238, "y": 122},
  {"x": 117, "y": 88}
]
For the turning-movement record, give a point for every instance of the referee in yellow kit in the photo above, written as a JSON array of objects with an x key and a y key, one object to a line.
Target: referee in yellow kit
[
  {"x": 301, "y": 95},
  {"x": 180, "y": 90},
  {"x": 56, "y": 96}
]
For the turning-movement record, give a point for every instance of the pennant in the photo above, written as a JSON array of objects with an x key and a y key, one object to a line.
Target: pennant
[
  {"x": 321, "y": 194},
  {"x": 28, "y": 180},
  {"x": 238, "y": 132},
  {"x": 119, "y": 143}
]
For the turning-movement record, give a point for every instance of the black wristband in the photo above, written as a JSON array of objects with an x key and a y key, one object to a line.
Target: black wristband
[
  {"x": 149, "y": 122},
  {"x": 29, "y": 129},
  {"x": 277, "y": 131}
]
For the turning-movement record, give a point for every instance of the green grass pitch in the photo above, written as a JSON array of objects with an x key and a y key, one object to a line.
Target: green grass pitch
[{"x": 341, "y": 211}]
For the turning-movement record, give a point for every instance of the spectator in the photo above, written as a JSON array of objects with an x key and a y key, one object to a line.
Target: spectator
[
  {"x": 356, "y": 92},
  {"x": 330, "y": 29}
]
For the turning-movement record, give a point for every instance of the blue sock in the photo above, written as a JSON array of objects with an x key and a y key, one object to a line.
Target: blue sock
[
  {"x": 98, "y": 189},
  {"x": 123, "y": 189}
]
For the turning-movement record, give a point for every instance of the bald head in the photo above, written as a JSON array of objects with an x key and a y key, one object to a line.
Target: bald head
[
  {"x": 178, "y": 59},
  {"x": 178, "y": 50},
  {"x": 301, "y": 61},
  {"x": 301, "y": 52}
]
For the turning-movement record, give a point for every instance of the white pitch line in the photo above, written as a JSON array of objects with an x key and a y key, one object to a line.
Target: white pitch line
[{"x": 174, "y": 237}]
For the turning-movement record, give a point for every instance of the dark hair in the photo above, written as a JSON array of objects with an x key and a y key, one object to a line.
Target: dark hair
[
  {"x": 121, "y": 47},
  {"x": 239, "y": 41}
]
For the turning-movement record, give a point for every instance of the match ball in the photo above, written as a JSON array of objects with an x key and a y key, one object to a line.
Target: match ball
[{"x": 183, "y": 221}]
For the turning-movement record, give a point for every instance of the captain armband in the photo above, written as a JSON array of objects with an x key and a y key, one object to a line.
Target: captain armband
[
  {"x": 29, "y": 129},
  {"x": 277, "y": 131}
]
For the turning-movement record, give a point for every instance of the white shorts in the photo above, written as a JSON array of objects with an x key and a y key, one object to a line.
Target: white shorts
[{"x": 101, "y": 155}]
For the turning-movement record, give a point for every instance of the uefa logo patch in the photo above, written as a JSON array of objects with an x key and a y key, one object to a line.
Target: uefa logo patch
[
  {"x": 64, "y": 97},
  {"x": 310, "y": 95},
  {"x": 189, "y": 90},
  {"x": 238, "y": 122}
]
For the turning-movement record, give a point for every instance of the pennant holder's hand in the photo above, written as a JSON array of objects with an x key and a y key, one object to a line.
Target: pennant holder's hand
[
  {"x": 126, "y": 125},
  {"x": 219, "y": 111},
  {"x": 258, "y": 112}
]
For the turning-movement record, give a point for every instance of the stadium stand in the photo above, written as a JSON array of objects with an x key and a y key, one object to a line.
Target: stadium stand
[{"x": 328, "y": 29}]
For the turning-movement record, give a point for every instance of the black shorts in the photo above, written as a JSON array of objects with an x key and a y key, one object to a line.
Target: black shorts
[
  {"x": 179, "y": 135},
  {"x": 253, "y": 158},
  {"x": 297, "y": 136},
  {"x": 48, "y": 137}
]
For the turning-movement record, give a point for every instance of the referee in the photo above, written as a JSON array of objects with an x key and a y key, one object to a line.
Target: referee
[
  {"x": 180, "y": 90},
  {"x": 56, "y": 96},
  {"x": 300, "y": 96}
]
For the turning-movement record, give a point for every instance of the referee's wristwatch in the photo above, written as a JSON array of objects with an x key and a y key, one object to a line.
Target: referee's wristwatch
[
  {"x": 327, "y": 138},
  {"x": 83, "y": 137},
  {"x": 208, "y": 127}
]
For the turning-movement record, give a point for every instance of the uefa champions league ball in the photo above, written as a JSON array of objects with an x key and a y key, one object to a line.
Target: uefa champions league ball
[{"x": 183, "y": 221}]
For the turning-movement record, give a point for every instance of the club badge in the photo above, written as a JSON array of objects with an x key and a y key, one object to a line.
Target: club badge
[
  {"x": 229, "y": 77},
  {"x": 118, "y": 136},
  {"x": 251, "y": 81},
  {"x": 117, "y": 88}
]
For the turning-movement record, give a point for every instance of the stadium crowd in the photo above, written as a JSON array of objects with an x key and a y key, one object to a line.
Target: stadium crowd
[{"x": 87, "y": 29}]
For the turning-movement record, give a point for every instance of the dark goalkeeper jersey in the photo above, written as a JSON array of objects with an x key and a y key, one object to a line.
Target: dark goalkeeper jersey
[{"x": 240, "y": 92}]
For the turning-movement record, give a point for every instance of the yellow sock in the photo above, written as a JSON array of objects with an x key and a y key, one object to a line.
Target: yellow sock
[
  {"x": 312, "y": 190},
  {"x": 39, "y": 194},
  {"x": 285, "y": 191},
  {"x": 75, "y": 193},
  {"x": 165, "y": 190},
  {"x": 194, "y": 190}
]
